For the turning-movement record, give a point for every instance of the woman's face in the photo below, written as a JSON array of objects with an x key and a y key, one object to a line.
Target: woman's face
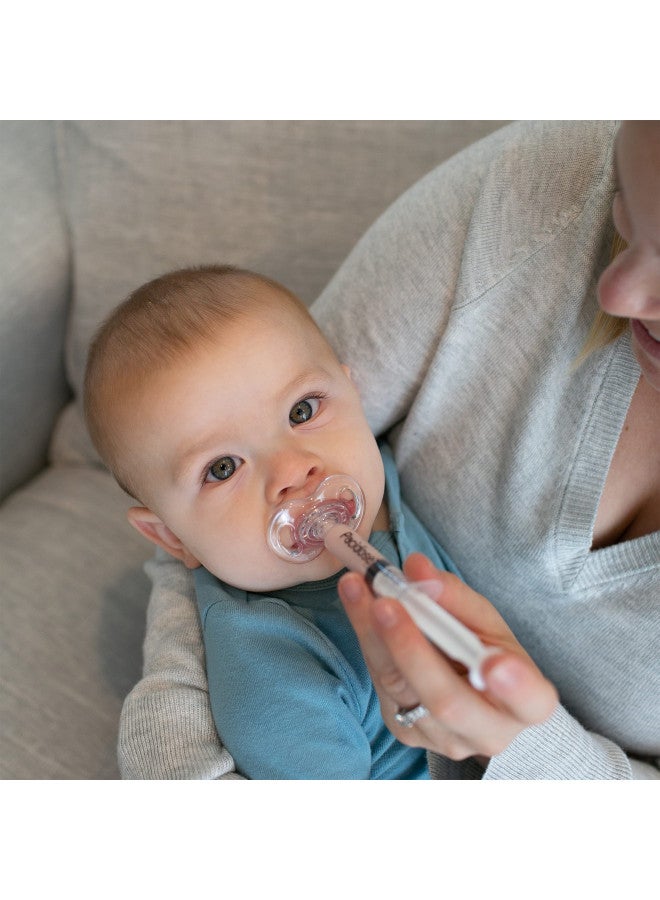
[{"x": 630, "y": 286}]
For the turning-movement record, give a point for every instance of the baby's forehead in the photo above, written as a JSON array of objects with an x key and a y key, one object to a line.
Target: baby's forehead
[
  {"x": 265, "y": 342},
  {"x": 284, "y": 319},
  {"x": 251, "y": 342}
]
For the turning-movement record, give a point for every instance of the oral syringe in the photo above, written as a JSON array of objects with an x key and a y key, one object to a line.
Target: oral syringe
[{"x": 301, "y": 529}]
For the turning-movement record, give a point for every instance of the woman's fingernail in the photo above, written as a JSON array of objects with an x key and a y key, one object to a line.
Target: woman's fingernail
[
  {"x": 504, "y": 676},
  {"x": 385, "y": 613}
]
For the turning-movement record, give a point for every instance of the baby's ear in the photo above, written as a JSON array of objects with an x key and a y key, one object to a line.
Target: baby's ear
[
  {"x": 156, "y": 531},
  {"x": 347, "y": 372}
]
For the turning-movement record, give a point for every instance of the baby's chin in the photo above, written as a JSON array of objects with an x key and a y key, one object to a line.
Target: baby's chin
[{"x": 320, "y": 569}]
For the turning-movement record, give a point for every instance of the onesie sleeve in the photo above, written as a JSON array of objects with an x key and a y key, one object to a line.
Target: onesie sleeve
[{"x": 281, "y": 694}]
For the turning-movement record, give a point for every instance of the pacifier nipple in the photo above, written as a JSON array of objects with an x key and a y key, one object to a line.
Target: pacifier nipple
[{"x": 298, "y": 528}]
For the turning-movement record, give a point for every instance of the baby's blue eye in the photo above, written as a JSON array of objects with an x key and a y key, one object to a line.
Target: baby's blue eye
[
  {"x": 304, "y": 410},
  {"x": 223, "y": 468}
]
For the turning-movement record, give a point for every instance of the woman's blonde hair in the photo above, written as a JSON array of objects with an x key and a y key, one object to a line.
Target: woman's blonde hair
[{"x": 604, "y": 328}]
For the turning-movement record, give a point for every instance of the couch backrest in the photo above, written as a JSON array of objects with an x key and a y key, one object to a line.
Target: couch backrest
[
  {"x": 135, "y": 199},
  {"x": 34, "y": 298}
]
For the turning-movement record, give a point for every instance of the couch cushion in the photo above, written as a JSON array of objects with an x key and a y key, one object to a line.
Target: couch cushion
[{"x": 79, "y": 612}]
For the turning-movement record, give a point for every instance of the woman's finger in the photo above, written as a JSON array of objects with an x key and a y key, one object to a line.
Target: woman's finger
[
  {"x": 407, "y": 669},
  {"x": 520, "y": 688},
  {"x": 465, "y": 604},
  {"x": 358, "y": 602},
  {"x": 467, "y": 718},
  {"x": 511, "y": 677}
]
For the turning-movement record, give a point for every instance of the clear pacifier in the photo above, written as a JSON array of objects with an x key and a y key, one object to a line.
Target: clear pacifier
[{"x": 297, "y": 530}]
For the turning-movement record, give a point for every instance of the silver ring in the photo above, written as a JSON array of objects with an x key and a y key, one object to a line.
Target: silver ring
[{"x": 408, "y": 717}]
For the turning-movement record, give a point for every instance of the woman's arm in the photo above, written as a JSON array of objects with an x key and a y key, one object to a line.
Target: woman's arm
[{"x": 166, "y": 728}]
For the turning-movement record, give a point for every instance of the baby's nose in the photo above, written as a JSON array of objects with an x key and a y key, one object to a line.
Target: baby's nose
[{"x": 293, "y": 475}]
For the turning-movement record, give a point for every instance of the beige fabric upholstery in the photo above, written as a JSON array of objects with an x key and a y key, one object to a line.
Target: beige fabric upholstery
[{"x": 90, "y": 210}]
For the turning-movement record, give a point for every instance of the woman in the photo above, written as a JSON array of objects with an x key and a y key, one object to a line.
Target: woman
[
  {"x": 527, "y": 442},
  {"x": 462, "y": 723}
]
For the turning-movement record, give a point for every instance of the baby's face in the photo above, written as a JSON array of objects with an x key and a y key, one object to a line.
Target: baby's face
[{"x": 241, "y": 425}]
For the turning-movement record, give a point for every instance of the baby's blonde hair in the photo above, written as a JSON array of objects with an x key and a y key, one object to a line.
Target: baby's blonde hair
[{"x": 154, "y": 328}]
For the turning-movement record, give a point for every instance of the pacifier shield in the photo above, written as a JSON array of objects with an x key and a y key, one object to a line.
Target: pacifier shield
[{"x": 297, "y": 530}]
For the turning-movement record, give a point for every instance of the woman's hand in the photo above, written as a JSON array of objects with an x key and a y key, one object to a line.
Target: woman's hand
[{"x": 408, "y": 670}]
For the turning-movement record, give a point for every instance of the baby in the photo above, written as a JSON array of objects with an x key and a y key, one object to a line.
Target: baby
[{"x": 214, "y": 399}]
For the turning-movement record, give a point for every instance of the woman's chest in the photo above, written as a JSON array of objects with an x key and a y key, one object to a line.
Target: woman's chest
[{"x": 629, "y": 506}]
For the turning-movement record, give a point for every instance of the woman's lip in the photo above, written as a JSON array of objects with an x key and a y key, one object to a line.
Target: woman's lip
[{"x": 648, "y": 344}]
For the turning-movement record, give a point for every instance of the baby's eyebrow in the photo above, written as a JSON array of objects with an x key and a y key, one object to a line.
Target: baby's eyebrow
[
  {"x": 303, "y": 380},
  {"x": 201, "y": 450}
]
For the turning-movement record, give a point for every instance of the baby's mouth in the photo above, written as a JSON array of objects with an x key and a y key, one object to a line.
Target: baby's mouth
[{"x": 297, "y": 529}]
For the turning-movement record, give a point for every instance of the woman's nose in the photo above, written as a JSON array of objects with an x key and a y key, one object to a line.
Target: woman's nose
[
  {"x": 292, "y": 473},
  {"x": 630, "y": 286}
]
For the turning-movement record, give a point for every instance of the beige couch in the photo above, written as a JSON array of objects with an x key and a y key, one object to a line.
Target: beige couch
[{"x": 90, "y": 210}]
